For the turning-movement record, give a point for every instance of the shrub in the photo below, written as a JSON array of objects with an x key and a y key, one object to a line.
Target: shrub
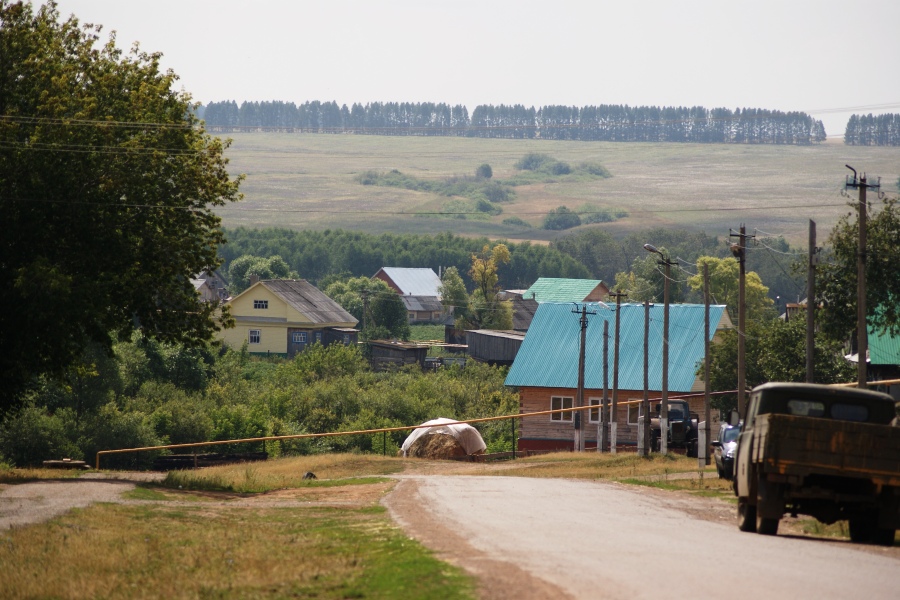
[
  {"x": 561, "y": 218},
  {"x": 484, "y": 171},
  {"x": 516, "y": 222}
]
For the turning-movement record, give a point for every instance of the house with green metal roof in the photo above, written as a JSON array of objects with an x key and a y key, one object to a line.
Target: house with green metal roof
[
  {"x": 884, "y": 356},
  {"x": 550, "y": 289},
  {"x": 545, "y": 370}
]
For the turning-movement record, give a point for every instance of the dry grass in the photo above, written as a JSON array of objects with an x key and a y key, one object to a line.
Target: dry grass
[
  {"x": 695, "y": 186},
  {"x": 286, "y": 473},
  {"x": 10, "y": 475}
]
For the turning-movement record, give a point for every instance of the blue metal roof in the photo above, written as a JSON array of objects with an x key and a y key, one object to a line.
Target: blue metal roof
[{"x": 549, "y": 355}]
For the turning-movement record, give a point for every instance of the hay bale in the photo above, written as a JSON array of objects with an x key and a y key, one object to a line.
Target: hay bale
[{"x": 436, "y": 446}]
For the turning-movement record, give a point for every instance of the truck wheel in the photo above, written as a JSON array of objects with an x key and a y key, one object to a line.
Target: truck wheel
[
  {"x": 746, "y": 516},
  {"x": 884, "y": 537},
  {"x": 767, "y": 526},
  {"x": 861, "y": 530},
  {"x": 654, "y": 442}
]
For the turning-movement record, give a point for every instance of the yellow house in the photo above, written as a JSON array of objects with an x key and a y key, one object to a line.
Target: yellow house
[{"x": 284, "y": 316}]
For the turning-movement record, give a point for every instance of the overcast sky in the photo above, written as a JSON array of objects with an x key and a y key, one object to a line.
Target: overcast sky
[{"x": 824, "y": 57}]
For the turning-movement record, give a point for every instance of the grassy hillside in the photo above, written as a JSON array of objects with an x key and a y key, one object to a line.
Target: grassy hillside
[{"x": 306, "y": 181}]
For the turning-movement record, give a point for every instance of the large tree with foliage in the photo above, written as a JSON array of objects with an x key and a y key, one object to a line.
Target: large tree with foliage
[
  {"x": 107, "y": 185},
  {"x": 724, "y": 282},
  {"x": 774, "y": 352},
  {"x": 836, "y": 281},
  {"x": 488, "y": 311},
  {"x": 378, "y": 308}
]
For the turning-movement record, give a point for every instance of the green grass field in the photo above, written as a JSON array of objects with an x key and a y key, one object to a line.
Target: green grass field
[{"x": 307, "y": 181}]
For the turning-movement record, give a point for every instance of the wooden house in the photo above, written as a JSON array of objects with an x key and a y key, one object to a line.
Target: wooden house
[
  {"x": 545, "y": 370},
  {"x": 419, "y": 290},
  {"x": 285, "y": 316}
]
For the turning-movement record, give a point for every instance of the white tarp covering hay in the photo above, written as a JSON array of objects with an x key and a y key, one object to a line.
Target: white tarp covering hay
[{"x": 447, "y": 439}]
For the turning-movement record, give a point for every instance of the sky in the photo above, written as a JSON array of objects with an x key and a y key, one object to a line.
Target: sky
[{"x": 827, "y": 58}]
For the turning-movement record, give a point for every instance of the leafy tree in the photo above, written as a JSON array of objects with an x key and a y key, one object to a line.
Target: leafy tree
[
  {"x": 454, "y": 296},
  {"x": 724, "y": 275},
  {"x": 108, "y": 186},
  {"x": 488, "y": 311},
  {"x": 386, "y": 317},
  {"x": 241, "y": 268},
  {"x": 836, "y": 277},
  {"x": 561, "y": 218},
  {"x": 774, "y": 351},
  {"x": 484, "y": 171},
  {"x": 646, "y": 281}
]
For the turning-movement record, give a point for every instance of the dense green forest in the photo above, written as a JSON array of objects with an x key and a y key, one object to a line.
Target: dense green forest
[
  {"x": 319, "y": 256},
  {"x": 607, "y": 122}
]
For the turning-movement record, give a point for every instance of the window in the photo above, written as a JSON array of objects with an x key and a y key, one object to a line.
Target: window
[
  {"x": 299, "y": 337},
  {"x": 255, "y": 335},
  {"x": 806, "y": 408},
  {"x": 849, "y": 412},
  {"x": 346, "y": 339},
  {"x": 261, "y": 304},
  {"x": 559, "y": 403},
  {"x": 594, "y": 416},
  {"x": 634, "y": 413},
  {"x": 411, "y": 316},
  {"x": 318, "y": 337}
]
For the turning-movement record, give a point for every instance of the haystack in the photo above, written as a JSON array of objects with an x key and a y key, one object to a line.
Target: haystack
[{"x": 446, "y": 439}]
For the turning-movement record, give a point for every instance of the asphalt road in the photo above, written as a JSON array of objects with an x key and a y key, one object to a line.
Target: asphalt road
[{"x": 605, "y": 540}]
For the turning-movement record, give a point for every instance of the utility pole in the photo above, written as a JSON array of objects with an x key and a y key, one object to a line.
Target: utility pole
[
  {"x": 604, "y": 407},
  {"x": 811, "y": 305},
  {"x": 664, "y": 407},
  {"x": 579, "y": 398},
  {"x": 614, "y": 419},
  {"x": 706, "y": 360},
  {"x": 365, "y": 298},
  {"x": 740, "y": 252},
  {"x": 644, "y": 419},
  {"x": 862, "y": 338}
]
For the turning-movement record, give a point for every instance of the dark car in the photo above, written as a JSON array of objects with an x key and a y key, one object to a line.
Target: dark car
[{"x": 723, "y": 449}]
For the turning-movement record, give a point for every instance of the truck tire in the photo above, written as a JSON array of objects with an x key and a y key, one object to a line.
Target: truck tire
[
  {"x": 884, "y": 537},
  {"x": 861, "y": 529},
  {"x": 769, "y": 505},
  {"x": 654, "y": 441},
  {"x": 766, "y": 526},
  {"x": 692, "y": 449},
  {"x": 746, "y": 516}
]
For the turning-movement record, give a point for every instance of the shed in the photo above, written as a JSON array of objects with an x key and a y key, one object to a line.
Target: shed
[
  {"x": 494, "y": 347},
  {"x": 386, "y": 354}
]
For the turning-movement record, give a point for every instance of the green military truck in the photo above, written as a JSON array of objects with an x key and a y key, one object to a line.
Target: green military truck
[{"x": 829, "y": 452}]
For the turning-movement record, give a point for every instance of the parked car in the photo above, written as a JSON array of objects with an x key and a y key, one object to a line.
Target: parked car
[{"x": 724, "y": 448}]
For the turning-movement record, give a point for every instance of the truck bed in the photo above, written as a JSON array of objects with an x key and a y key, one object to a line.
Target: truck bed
[{"x": 799, "y": 446}]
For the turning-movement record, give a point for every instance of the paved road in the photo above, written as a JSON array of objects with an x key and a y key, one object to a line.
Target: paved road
[{"x": 603, "y": 540}]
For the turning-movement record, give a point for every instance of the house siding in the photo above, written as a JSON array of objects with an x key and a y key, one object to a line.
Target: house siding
[{"x": 542, "y": 433}]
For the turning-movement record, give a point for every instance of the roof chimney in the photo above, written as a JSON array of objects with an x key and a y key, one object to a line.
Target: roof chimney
[{"x": 254, "y": 279}]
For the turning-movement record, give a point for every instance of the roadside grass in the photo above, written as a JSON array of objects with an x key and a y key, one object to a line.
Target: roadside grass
[
  {"x": 284, "y": 473},
  {"x": 423, "y": 333},
  {"x": 12, "y": 475},
  {"x": 216, "y": 551},
  {"x": 593, "y": 465}
]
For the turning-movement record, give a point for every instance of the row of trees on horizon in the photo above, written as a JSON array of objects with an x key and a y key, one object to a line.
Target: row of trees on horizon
[{"x": 608, "y": 122}]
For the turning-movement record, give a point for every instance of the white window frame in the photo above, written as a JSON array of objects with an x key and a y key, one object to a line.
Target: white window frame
[
  {"x": 254, "y": 334},
  {"x": 299, "y": 337},
  {"x": 346, "y": 339},
  {"x": 261, "y": 304},
  {"x": 594, "y": 413},
  {"x": 561, "y": 402},
  {"x": 318, "y": 337}
]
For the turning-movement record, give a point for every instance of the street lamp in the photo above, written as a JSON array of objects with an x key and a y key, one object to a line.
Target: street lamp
[{"x": 664, "y": 409}]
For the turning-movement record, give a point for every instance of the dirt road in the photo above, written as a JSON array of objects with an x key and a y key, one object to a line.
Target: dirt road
[{"x": 605, "y": 540}]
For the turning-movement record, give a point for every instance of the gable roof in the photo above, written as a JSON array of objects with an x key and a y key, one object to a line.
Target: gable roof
[
  {"x": 308, "y": 300},
  {"x": 884, "y": 348},
  {"x": 413, "y": 282},
  {"x": 550, "y": 289},
  {"x": 422, "y": 303},
  {"x": 549, "y": 355}
]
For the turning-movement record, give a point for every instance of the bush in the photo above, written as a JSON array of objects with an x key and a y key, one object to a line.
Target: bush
[
  {"x": 484, "y": 171},
  {"x": 516, "y": 222},
  {"x": 561, "y": 218},
  {"x": 33, "y": 435},
  {"x": 533, "y": 161}
]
